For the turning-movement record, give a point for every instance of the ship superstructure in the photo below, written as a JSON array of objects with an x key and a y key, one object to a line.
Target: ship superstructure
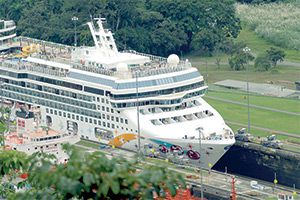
[
  {"x": 109, "y": 96},
  {"x": 7, "y": 31}
]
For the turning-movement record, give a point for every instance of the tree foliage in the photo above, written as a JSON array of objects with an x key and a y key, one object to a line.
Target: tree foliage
[
  {"x": 275, "y": 55},
  {"x": 144, "y": 25},
  {"x": 87, "y": 176},
  {"x": 261, "y": 1},
  {"x": 239, "y": 60},
  {"x": 262, "y": 62}
]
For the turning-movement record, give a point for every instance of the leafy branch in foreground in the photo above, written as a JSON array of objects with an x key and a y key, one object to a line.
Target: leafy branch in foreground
[{"x": 94, "y": 176}]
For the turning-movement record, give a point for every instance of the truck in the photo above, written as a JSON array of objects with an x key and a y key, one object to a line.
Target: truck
[
  {"x": 242, "y": 135},
  {"x": 272, "y": 142}
]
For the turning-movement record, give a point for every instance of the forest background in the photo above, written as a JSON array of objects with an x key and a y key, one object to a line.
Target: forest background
[{"x": 150, "y": 26}]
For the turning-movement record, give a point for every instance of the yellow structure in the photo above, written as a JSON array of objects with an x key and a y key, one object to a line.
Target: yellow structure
[{"x": 26, "y": 51}]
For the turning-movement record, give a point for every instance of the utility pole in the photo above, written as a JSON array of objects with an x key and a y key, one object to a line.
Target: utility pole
[
  {"x": 2, "y": 114},
  {"x": 247, "y": 50},
  {"x": 138, "y": 110},
  {"x": 75, "y": 39},
  {"x": 200, "y": 129}
]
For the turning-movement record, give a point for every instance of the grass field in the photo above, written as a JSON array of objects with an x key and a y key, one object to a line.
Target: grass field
[
  {"x": 88, "y": 144},
  {"x": 287, "y": 73},
  {"x": 291, "y": 105},
  {"x": 258, "y": 117},
  {"x": 259, "y": 45}
]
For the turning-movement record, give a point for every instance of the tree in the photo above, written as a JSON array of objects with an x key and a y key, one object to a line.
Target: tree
[
  {"x": 275, "y": 55},
  {"x": 239, "y": 60},
  {"x": 88, "y": 176},
  {"x": 200, "y": 20},
  {"x": 262, "y": 62}
]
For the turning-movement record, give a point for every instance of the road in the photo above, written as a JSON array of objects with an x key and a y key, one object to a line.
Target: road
[{"x": 260, "y": 107}]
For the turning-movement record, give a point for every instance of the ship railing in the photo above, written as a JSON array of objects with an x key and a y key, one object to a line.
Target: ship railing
[
  {"x": 152, "y": 57},
  {"x": 94, "y": 69},
  {"x": 33, "y": 67},
  {"x": 160, "y": 70},
  {"x": 41, "y": 42},
  {"x": 33, "y": 140},
  {"x": 214, "y": 138}
]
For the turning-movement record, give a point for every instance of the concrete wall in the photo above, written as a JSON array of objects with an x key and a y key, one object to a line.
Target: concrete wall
[{"x": 257, "y": 161}]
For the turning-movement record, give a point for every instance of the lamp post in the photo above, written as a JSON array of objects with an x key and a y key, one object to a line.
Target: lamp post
[
  {"x": 138, "y": 110},
  {"x": 247, "y": 50},
  {"x": 75, "y": 19},
  {"x": 2, "y": 115},
  {"x": 200, "y": 129}
]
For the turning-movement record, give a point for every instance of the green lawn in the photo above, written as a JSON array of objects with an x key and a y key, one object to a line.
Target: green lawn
[
  {"x": 291, "y": 105},
  {"x": 287, "y": 73},
  {"x": 259, "y": 45},
  {"x": 258, "y": 117},
  {"x": 253, "y": 41},
  {"x": 89, "y": 144}
]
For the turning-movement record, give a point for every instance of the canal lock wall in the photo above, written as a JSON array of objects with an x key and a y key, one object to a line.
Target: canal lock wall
[{"x": 260, "y": 162}]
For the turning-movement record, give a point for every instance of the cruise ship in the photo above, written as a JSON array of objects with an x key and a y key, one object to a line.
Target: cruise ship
[
  {"x": 7, "y": 31},
  {"x": 127, "y": 99}
]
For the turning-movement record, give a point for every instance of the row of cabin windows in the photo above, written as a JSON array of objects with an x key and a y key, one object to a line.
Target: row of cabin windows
[
  {"x": 54, "y": 90},
  {"x": 32, "y": 98},
  {"x": 50, "y": 97},
  {"x": 107, "y": 109},
  {"x": 102, "y": 100},
  {"x": 73, "y": 102},
  {"x": 108, "y": 117}
]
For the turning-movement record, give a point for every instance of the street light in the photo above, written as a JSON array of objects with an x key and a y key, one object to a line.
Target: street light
[
  {"x": 200, "y": 129},
  {"x": 2, "y": 115},
  {"x": 75, "y": 19},
  {"x": 246, "y": 50},
  {"x": 138, "y": 111}
]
